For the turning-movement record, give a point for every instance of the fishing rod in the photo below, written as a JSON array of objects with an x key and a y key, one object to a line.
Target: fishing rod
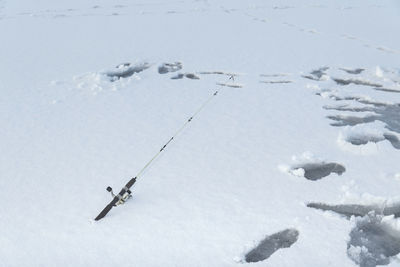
[{"x": 125, "y": 192}]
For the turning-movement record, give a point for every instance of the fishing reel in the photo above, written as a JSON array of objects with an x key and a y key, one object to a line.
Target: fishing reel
[{"x": 123, "y": 199}]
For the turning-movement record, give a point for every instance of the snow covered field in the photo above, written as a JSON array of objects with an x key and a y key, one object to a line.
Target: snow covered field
[{"x": 294, "y": 163}]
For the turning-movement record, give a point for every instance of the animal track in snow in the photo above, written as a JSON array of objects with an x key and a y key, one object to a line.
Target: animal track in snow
[
  {"x": 113, "y": 9},
  {"x": 1, "y": 9},
  {"x": 345, "y": 36},
  {"x": 387, "y": 50},
  {"x": 270, "y": 244}
]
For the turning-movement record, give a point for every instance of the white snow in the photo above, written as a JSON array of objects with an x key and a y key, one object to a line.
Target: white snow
[{"x": 222, "y": 185}]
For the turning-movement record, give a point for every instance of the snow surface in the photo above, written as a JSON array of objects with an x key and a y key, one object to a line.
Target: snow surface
[{"x": 68, "y": 131}]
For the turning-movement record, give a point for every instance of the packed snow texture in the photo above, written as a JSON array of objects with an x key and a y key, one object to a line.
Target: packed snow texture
[{"x": 91, "y": 90}]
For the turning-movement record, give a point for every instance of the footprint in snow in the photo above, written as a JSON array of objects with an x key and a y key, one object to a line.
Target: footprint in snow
[
  {"x": 362, "y": 129},
  {"x": 357, "y": 210},
  {"x": 317, "y": 75},
  {"x": 270, "y": 244},
  {"x": 169, "y": 67},
  {"x": 187, "y": 75},
  {"x": 372, "y": 241},
  {"x": 388, "y": 114},
  {"x": 343, "y": 81},
  {"x": 352, "y": 71},
  {"x": 276, "y": 78},
  {"x": 313, "y": 169},
  {"x": 276, "y": 82},
  {"x": 318, "y": 170},
  {"x": 232, "y": 85},
  {"x": 229, "y": 74},
  {"x": 126, "y": 70}
]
